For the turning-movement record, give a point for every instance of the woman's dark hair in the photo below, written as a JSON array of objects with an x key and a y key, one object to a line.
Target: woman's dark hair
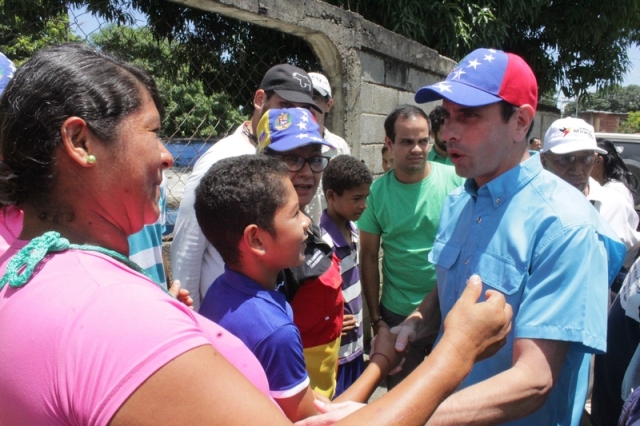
[
  {"x": 55, "y": 84},
  {"x": 614, "y": 167},
  {"x": 235, "y": 193}
]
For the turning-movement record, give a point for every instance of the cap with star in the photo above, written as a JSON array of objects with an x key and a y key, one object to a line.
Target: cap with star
[
  {"x": 287, "y": 129},
  {"x": 483, "y": 77}
]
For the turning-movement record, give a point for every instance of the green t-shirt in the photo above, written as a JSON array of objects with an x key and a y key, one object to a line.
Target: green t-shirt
[
  {"x": 406, "y": 216},
  {"x": 435, "y": 158}
]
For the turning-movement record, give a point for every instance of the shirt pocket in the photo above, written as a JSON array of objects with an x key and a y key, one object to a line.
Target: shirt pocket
[
  {"x": 499, "y": 273},
  {"x": 444, "y": 255}
]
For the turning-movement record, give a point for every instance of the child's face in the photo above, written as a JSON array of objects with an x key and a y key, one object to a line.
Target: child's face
[
  {"x": 286, "y": 248},
  {"x": 387, "y": 161},
  {"x": 351, "y": 203}
]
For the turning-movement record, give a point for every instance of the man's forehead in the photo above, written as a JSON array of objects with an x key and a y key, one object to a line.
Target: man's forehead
[{"x": 404, "y": 122}]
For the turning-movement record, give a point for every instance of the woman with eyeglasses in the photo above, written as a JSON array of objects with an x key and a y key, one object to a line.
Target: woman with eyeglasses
[{"x": 611, "y": 171}]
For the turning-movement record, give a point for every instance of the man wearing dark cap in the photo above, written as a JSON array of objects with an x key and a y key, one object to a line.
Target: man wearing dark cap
[
  {"x": 194, "y": 261},
  {"x": 527, "y": 234}
]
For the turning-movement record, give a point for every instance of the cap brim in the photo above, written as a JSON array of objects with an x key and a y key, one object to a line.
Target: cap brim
[
  {"x": 573, "y": 147},
  {"x": 458, "y": 93},
  {"x": 294, "y": 142},
  {"x": 298, "y": 98},
  {"x": 322, "y": 92}
]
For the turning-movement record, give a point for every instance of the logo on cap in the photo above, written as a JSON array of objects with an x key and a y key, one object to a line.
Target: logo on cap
[
  {"x": 302, "y": 79},
  {"x": 283, "y": 121}
]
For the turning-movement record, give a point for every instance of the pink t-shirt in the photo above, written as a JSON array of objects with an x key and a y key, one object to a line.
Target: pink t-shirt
[{"x": 85, "y": 332}]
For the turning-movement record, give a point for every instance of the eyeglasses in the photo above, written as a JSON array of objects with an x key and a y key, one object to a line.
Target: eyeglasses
[
  {"x": 570, "y": 159},
  {"x": 295, "y": 163}
]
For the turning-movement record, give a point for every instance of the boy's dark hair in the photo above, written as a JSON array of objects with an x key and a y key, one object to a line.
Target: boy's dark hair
[
  {"x": 384, "y": 149},
  {"x": 404, "y": 111},
  {"x": 345, "y": 172},
  {"x": 235, "y": 193},
  {"x": 436, "y": 117}
]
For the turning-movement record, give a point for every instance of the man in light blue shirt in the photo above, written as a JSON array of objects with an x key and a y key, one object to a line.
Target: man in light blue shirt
[{"x": 529, "y": 235}]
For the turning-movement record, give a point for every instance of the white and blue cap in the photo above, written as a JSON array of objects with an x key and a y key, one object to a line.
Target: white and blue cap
[
  {"x": 6, "y": 72},
  {"x": 483, "y": 77},
  {"x": 287, "y": 129}
]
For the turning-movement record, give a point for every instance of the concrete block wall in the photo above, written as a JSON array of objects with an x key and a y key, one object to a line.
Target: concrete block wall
[{"x": 371, "y": 69}]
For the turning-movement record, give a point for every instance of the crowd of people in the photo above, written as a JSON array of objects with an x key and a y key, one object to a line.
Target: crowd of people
[{"x": 499, "y": 258}]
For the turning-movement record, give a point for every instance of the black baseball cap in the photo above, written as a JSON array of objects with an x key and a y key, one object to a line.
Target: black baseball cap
[{"x": 290, "y": 83}]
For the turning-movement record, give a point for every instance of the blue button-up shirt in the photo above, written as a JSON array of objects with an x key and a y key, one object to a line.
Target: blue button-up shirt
[{"x": 537, "y": 240}]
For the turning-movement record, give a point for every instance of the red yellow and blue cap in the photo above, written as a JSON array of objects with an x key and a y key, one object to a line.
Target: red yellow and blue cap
[
  {"x": 483, "y": 77},
  {"x": 287, "y": 129}
]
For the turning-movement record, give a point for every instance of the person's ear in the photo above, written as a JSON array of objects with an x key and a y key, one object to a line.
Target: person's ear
[
  {"x": 78, "y": 141},
  {"x": 259, "y": 100},
  {"x": 389, "y": 144},
  {"x": 330, "y": 195},
  {"x": 329, "y": 105},
  {"x": 524, "y": 119},
  {"x": 253, "y": 239}
]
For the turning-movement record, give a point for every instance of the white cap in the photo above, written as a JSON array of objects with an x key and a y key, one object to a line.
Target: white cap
[
  {"x": 320, "y": 84},
  {"x": 570, "y": 135}
]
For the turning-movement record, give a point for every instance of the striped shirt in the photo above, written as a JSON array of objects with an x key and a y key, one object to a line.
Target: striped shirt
[
  {"x": 145, "y": 247},
  {"x": 351, "y": 345}
]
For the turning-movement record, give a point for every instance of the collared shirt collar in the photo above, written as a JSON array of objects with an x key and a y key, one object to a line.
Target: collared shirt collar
[
  {"x": 505, "y": 186},
  {"x": 334, "y": 231},
  {"x": 246, "y": 285}
]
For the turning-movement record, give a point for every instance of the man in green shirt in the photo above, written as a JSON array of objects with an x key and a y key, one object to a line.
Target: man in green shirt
[{"x": 402, "y": 215}]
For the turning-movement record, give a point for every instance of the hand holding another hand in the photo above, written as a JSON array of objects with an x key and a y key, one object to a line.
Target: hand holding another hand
[{"x": 384, "y": 344}]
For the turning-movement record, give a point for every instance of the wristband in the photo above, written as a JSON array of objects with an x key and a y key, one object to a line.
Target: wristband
[{"x": 375, "y": 321}]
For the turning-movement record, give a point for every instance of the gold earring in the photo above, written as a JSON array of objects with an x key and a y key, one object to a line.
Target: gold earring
[{"x": 91, "y": 159}]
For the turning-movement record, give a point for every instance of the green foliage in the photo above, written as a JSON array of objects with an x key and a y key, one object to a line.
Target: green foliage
[
  {"x": 190, "y": 109},
  {"x": 612, "y": 99},
  {"x": 569, "y": 44},
  {"x": 632, "y": 124},
  {"x": 22, "y": 34},
  {"x": 207, "y": 66}
]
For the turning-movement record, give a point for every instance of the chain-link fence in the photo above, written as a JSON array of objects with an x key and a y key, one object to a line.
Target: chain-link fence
[{"x": 207, "y": 66}]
